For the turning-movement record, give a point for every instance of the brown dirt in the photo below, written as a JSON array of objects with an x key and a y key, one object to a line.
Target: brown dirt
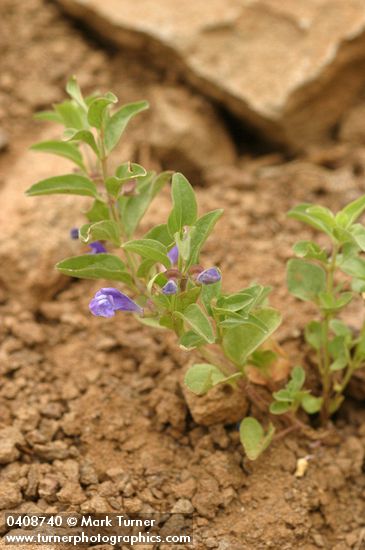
[{"x": 99, "y": 417}]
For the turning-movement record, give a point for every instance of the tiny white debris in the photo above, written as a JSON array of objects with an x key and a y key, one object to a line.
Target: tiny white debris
[{"x": 302, "y": 466}]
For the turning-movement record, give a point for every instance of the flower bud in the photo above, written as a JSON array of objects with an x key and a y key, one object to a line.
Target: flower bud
[
  {"x": 170, "y": 287},
  {"x": 97, "y": 248},
  {"x": 173, "y": 255},
  {"x": 209, "y": 276},
  {"x": 74, "y": 233}
]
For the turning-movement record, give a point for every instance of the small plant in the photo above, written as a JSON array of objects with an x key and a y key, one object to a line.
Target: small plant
[
  {"x": 331, "y": 279},
  {"x": 164, "y": 284}
]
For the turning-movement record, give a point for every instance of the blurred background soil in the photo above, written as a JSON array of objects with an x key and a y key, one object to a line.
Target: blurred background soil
[{"x": 92, "y": 415}]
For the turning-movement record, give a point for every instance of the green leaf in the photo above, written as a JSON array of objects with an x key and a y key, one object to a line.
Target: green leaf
[
  {"x": 200, "y": 378},
  {"x": 210, "y": 293},
  {"x": 131, "y": 170},
  {"x": 198, "y": 322},
  {"x": 284, "y": 395},
  {"x": 184, "y": 210},
  {"x": 144, "y": 268},
  {"x": 95, "y": 266},
  {"x": 253, "y": 438},
  {"x": 106, "y": 230},
  {"x": 62, "y": 149},
  {"x": 125, "y": 173},
  {"x": 280, "y": 407},
  {"x": 358, "y": 286},
  {"x": 117, "y": 123},
  {"x": 73, "y": 90},
  {"x": 97, "y": 109},
  {"x": 98, "y": 212},
  {"x": 82, "y": 135},
  {"x": 71, "y": 184},
  {"x": 149, "y": 249},
  {"x": 190, "y": 340},
  {"x": 314, "y": 334},
  {"x": 200, "y": 232},
  {"x": 329, "y": 303},
  {"x": 354, "y": 267},
  {"x": 240, "y": 342},
  {"x": 263, "y": 358},
  {"x": 310, "y": 251},
  {"x": 315, "y": 216},
  {"x": 311, "y": 404},
  {"x": 305, "y": 280},
  {"x": 342, "y": 220},
  {"x": 343, "y": 236},
  {"x": 183, "y": 245},
  {"x": 151, "y": 322},
  {"x": 339, "y": 351},
  {"x": 353, "y": 210},
  {"x": 51, "y": 116},
  {"x": 297, "y": 379},
  {"x": 71, "y": 115},
  {"x": 160, "y": 233},
  {"x": 259, "y": 295},
  {"x": 186, "y": 298},
  {"x": 235, "y": 320},
  {"x": 340, "y": 329},
  {"x": 132, "y": 209},
  {"x": 236, "y": 301},
  {"x": 358, "y": 234}
]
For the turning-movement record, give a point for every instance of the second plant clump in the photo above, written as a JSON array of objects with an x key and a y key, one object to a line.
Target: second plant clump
[{"x": 165, "y": 286}]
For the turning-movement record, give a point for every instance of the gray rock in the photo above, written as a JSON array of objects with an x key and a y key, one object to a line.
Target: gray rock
[
  {"x": 10, "y": 438},
  {"x": 10, "y": 495},
  {"x": 221, "y": 404},
  {"x": 183, "y": 506},
  {"x": 187, "y": 134},
  {"x": 4, "y": 141},
  {"x": 288, "y": 68}
]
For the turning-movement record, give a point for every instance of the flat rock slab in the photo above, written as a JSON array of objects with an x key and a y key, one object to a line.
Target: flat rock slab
[{"x": 287, "y": 68}]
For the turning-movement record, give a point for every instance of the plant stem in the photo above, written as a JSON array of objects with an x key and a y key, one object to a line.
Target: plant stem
[{"x": 324, "y": 367}]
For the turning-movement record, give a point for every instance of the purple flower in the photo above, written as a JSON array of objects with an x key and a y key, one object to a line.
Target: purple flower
[
  {"x": 170, "y": 287},
  {"x": 173, "y": 255},
  {"x": 97, "y": 248},
  {"x": 108, "y": 300},
  {"x": 74, "y": 233},
  {"x": 209, "y": 276}
]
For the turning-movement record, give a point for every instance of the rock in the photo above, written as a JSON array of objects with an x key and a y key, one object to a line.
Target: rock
[
  {"x": 170, "y": 408},
  {"x": 53, "y": 450},
  {"x": 10, "y": 495},
  {"x": 53, "y": 409},
  {"x": 175, "y": 113},
  {"x": 48, "y": 487},
  {"x": 33, "y": 481},
  {"x": 29, "y": 332},
  {"x": 40, "y": 227},
  {"x": 71, "y": 493},
  {"x": 88, "y": 475},
  {"x": 288, "y": 68},
  {"x": 10, "y": 438},
  {"x": 185, "y": 489},
  {"x": 183, "y": 506},
  {"x": 221, "y": 404},
  {"x": 132, "y": 505},
  {"x": 352, "y": 128},
  {"x": 96, "y": 505},
  {"x": 4, "y": 142}
]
